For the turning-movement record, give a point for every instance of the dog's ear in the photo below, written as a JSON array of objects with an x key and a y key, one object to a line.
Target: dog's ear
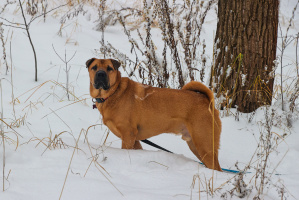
[
  {"x": 115, "y": 63},
  {"x": 89, "y": 62}
]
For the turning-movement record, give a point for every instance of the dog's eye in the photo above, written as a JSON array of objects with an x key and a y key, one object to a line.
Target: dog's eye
[
  {"x": 109, "y": 69},
  {"x": 94, "y": 68}
]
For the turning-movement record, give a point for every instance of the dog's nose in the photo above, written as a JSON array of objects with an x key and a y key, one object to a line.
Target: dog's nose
[{"x": 101, "y": 74}]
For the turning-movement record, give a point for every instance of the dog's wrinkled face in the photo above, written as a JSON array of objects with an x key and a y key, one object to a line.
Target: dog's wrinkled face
[{"x": 102, "y": 72}]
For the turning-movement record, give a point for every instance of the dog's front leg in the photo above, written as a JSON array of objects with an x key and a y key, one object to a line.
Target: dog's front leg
[
  {"x": 129, "y": 140},
  {"x": 136, "y": 145},
  {"x": 127, "y": 144}
]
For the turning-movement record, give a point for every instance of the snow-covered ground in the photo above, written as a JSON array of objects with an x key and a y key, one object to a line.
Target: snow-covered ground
[{"x": 36, "y": 170}]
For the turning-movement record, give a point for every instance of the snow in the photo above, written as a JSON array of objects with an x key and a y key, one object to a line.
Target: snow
[{"x": 35, "y": 168}]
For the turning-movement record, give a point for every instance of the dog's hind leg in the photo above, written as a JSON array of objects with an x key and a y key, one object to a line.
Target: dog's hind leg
[
  {"x": 206, "y": 157},
  {"x": 187, "y": 137},
  {"x": 202, "y": 147},
  {"x": 193, "y": 149}
]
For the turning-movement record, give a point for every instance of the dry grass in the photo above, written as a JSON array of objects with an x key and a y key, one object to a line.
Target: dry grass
[
  {"x": 52, "y": 83},
  {"x": 67, "y": 173},
  {"x": 5, "y": 138},
  {"x": 96, "y": 163},
  {"x": 195, "y": 177},
  {"x": 180, "y": 35}
]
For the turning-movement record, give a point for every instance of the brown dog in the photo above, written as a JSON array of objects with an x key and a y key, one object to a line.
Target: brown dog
[{"x": 133, "y": 111}]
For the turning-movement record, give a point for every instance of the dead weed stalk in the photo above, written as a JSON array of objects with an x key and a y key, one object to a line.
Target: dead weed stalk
[{"x": 155, "y": 66}]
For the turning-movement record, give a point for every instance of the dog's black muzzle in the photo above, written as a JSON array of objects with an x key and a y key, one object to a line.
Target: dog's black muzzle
[{"x": 101, "y": 80}]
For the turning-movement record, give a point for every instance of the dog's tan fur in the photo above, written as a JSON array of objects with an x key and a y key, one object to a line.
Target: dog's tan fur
[{"x": 135, "y": 112}]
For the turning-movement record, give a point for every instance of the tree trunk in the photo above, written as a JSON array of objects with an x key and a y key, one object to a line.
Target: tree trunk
[{"x": 245, "y": 48}]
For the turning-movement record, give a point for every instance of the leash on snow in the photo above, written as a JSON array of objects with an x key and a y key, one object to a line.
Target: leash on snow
[{"x": 161, "y": 148}]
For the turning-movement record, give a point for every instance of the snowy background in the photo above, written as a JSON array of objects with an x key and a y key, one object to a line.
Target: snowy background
[{"x": 52, "y": 140}]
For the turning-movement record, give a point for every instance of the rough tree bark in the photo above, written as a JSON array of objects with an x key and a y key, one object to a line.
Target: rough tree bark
[{"x": 245, "y": 48}]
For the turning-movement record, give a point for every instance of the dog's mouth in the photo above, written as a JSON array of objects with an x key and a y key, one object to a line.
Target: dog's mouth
[
  {"x": 101, "y": 85},
  {"x": 101, "y": 80}
]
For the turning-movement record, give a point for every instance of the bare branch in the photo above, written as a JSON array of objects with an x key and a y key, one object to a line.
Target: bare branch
[
  {"x": 13, "y": 26},
  {"x": 34, "y": 18},
  {"x": 16, "y": 23},
  {"x": 29, "y": 37}
]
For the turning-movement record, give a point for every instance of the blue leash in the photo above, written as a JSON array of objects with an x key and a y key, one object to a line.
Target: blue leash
[{"x": 161, "y": 148}]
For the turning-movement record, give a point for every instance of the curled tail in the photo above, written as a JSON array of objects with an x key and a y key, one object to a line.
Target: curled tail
[{"x": 199, "y": 87}]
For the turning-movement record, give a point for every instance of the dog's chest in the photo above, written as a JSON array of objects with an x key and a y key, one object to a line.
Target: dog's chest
[
  {"x": 109, "y": 117},
  {"x": 112, "y": 127}
]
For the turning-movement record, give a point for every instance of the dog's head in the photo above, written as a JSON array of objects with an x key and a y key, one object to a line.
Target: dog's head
[{"x": 102, "y": 72}]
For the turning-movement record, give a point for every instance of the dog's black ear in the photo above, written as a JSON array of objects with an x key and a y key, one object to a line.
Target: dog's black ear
[
  {"x": 115, "y": 63},
  {"x": 89, "y": 62}
]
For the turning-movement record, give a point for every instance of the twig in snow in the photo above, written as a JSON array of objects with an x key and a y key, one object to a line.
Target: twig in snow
[
  {"x": 67, "y": 69},
  {"x": 3, "y": 140},
  {"x": 30, "y": 40},
  {"x": 3, "y": 46}
]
